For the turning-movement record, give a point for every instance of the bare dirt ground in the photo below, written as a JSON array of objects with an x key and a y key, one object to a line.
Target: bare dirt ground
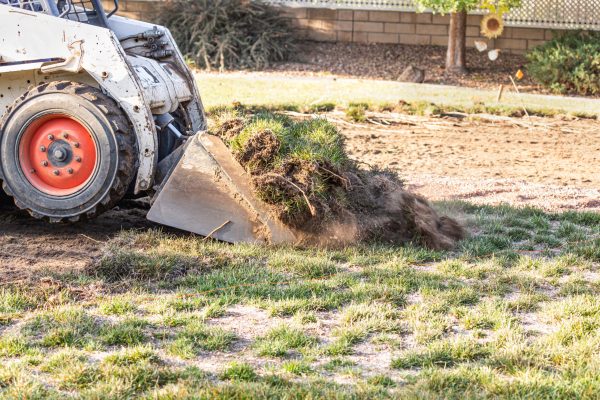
[
  {"x": 29, "y": 246},
  {"x": 551, "y": 163}
]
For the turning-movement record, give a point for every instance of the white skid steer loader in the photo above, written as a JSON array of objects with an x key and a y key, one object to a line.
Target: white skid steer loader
[{"x": 95, "y": 105}]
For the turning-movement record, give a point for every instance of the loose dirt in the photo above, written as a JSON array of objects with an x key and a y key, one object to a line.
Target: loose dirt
[
  {"x": 552, "y": 164},
  {"x": 30, "y": 248}
]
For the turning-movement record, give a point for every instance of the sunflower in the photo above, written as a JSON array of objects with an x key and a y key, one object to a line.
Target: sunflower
[{"x": 492, "y": 26}]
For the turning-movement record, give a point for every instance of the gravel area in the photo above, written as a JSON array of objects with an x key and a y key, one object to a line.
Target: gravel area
[{"x": 387, "y": 61}]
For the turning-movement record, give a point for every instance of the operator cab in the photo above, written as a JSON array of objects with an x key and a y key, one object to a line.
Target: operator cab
[{"x": 85, "y": 11}]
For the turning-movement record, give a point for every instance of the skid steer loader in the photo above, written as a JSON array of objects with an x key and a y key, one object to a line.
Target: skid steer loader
[{"x": 95, "y": 106}]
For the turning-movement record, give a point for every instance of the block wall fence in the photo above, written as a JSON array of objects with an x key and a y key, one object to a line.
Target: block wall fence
[{"x": 362, "y": 26}]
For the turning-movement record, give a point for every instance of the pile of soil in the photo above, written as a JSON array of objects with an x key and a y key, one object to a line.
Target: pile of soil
[{"x": 351, "y": 204}]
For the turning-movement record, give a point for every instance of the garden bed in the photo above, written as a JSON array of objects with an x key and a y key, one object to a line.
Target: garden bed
[{"x": 386, "y": 61}]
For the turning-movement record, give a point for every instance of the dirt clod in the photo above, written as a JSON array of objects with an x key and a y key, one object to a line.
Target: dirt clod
[
  {"x": 230, "y": 128},
  {"x": 260, "y": 149}
]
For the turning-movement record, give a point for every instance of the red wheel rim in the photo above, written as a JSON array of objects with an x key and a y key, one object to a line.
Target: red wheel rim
[{"x": 57, "y": 155}]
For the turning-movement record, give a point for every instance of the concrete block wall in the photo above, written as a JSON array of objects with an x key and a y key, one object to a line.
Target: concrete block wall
[
  {"x": 402, "y": 27},
  {"x": 372, "y": 26}
]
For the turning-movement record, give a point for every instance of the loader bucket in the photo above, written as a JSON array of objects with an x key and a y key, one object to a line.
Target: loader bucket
[{"x": 208, "y": 192}]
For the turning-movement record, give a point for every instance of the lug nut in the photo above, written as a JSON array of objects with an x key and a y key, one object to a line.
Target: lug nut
[
  {"x": 45, "y": 163},
  {"x": 32, "y": 171},
  {"x": 70, "y": 170},
  {"x": 76, "y": 144},
  {"x": 78, "y": 159},
  {"x": 43, "y": 149},
  {"x": 56, "y": 172},
  {"x": 65, "y": 135},
  {"x": 50, "y": 137}
]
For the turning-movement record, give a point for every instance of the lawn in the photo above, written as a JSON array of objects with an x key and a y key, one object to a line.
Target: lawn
[
  {"x": 280, "y": 90},
  {"x": 514, "y": 312}
]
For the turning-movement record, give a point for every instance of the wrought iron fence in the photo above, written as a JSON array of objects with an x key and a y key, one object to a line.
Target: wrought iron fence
[{"x": 556, "y": 14}]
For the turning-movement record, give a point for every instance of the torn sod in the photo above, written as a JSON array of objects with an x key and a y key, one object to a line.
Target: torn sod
[{"x": 301, "y": 169}]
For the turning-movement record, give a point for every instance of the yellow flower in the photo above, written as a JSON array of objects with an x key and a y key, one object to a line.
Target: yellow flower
[{"x": 492, "y": 26}]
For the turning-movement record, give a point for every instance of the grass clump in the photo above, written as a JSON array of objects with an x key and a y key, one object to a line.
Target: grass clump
[
  {"x": 239, "y": 372},
  {"x": 357, "y": 111},
  {"x": 14, "y": 301},
  {"x": 62, "y": 327},
  {"x": 16, "y": 383},
  {"x": 196, "y": 337},
  {"x": 297, "y": 367},
  {"x": 319, "y": 107},
  {"x": 71, "y": 370},
  {"x": 13, "y": 346},
  {"x": 445, "y": 353},
  {"x": 147, "y": 257},
  {"x": 132, "y": 355},
  {"x": 381, "y": 380},
  {"x": 337, "y": 364},
  {"x": 117, "y": 306},
  {"x": 279, "y": 341},
  {"x": 126, "y": 333},
  {"x": 371, "y": 317},
  {"x": 345, "y": 341}
]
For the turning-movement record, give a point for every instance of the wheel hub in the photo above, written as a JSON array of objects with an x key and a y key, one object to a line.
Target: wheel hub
[
  {"x": 60, "y": 153},
  {"x": 57, "y": 155}
]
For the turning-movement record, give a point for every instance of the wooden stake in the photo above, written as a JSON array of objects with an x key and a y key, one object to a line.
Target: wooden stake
[
  {"x": 500, "y": 92},
  {"x": 519, "y": 93}
]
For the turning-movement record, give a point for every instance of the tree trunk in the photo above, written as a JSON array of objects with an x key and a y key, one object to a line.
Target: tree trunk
[{"x": 455, "y": 57}]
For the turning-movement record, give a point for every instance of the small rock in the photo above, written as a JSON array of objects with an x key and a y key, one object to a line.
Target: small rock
[{"x": 412, "y": 74}]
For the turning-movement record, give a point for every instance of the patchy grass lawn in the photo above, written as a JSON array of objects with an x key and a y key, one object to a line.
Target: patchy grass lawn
[{"x": 514, "y": 312}]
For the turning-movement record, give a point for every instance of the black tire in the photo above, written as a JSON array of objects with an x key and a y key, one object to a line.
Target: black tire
[{"x": 108, "y": 127}]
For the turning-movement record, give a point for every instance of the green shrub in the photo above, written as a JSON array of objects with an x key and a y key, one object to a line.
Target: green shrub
[
  {"x": 228, "y": 34},
  {"x": 568, "y": 64}
]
